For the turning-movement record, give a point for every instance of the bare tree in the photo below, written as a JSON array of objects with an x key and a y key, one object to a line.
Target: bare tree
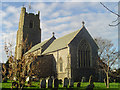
[
  {"x": 18, "y": 69},
  {"x": 107, "y": 56}
]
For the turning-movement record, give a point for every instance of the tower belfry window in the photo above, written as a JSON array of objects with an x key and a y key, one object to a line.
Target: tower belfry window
[{"x": 31, "y": 24}]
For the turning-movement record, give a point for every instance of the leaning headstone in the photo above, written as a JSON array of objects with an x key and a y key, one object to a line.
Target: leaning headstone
[
  {"x": 43, "y": 83},
  {"x": 91, "y": 80},
  {"x": 56, "y": 83},
  {"x": 66, "y": 82},
  {"x": 50, "y": 81},
  {"x": 71, "y": 83}
]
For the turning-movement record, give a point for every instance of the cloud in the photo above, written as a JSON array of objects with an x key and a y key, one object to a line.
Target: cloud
[{"x": 97, "y": 24}]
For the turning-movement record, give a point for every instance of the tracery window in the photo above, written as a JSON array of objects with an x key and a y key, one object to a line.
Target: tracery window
[{"x": 84, "y": 54}]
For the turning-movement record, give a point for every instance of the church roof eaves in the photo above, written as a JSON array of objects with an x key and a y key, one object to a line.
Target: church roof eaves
[
  {"x": 36, "y": 47},
  {"x": 61, "y": 42}
]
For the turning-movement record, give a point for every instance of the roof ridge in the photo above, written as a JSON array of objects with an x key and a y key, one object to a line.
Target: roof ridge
[
  {"x": 76, "y": 33},
  {"x": 62, "y": 41}
]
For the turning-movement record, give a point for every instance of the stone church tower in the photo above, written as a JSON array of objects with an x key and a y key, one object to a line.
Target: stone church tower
[{"x": 29, "y": 31}]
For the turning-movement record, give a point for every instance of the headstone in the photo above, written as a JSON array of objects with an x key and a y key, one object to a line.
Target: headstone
[
  {"x": 56, "y": 83},
  {"x": 66, "y": 82},
  {"x": 43, "y": 83},
  {"x": 27, "y": 79},
  {"x": 91, "y": 79},
  {"x": 14, "y": 78},
  {"x": 47, "y": 79},
  {"x": 50, "y": 81},
  {"x": 83, "y": 79},
  {"x": 60, "y": 81},
  {"x": 78, "y": 85},
  {"x": 90, "y": 87},
  {"x": 40, "y": 82},
  {"x": 29, "y": 83},
  {"x": 14, "y": 84},
  {"x": 71, "y": 83},
  {"x": 114, "y": 80}
]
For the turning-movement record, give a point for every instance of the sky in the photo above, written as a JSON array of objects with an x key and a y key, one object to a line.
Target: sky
[{"x": 61, "y": 18}]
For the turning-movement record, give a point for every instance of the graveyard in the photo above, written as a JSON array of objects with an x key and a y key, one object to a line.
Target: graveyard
[{"x": 83, "y": 85}]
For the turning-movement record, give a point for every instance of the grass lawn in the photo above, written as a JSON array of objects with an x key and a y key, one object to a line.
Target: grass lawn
[{"x": 100, "y": 86}]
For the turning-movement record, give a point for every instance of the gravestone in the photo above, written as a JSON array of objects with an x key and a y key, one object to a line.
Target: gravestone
[
  {"x": 27, "y": 79},
  {"x": 14, "y": 78},
  {"x": 40, "y": 82},
  {"x": 47, "y": 79},
  {"x": 83, "y": 79},
  {"x": 56, "y": 83},
  {"x": 71, "y": 83},
  {"x": 78, "y": 85},
  {"x": 114, "y": 80},
  {"x": 90, "y": 87},
  {"x": 14, "y": 84},
  {"x": 50, "y": 81},
  {"x": 60, "y": 81},
  {"x": 91, "y": 80},
  {"x": 66, "y": 82},
  {"x": 43, "y": 83}
]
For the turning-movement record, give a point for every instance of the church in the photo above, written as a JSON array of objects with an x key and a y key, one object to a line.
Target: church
[{"x": 72, "y": 56}]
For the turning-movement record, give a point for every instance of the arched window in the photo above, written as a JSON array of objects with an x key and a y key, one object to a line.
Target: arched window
[
  {"x": 84, "y": 54},
  {"x": 60, "y": 65},
  {"x": 31, "y": 24}
]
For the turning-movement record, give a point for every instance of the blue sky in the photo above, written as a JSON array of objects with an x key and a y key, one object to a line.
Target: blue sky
[{"x": 61, "y": 18}]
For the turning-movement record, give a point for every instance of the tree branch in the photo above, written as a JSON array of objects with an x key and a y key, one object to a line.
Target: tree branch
[
  {"x": 115, "y": 24},
  {"x": 109, "y": 9}
]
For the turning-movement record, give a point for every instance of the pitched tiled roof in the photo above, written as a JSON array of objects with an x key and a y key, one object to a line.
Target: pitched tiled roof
[
  {"x": 61, "y": 42},
  {"x": 38, "y": 46}
]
